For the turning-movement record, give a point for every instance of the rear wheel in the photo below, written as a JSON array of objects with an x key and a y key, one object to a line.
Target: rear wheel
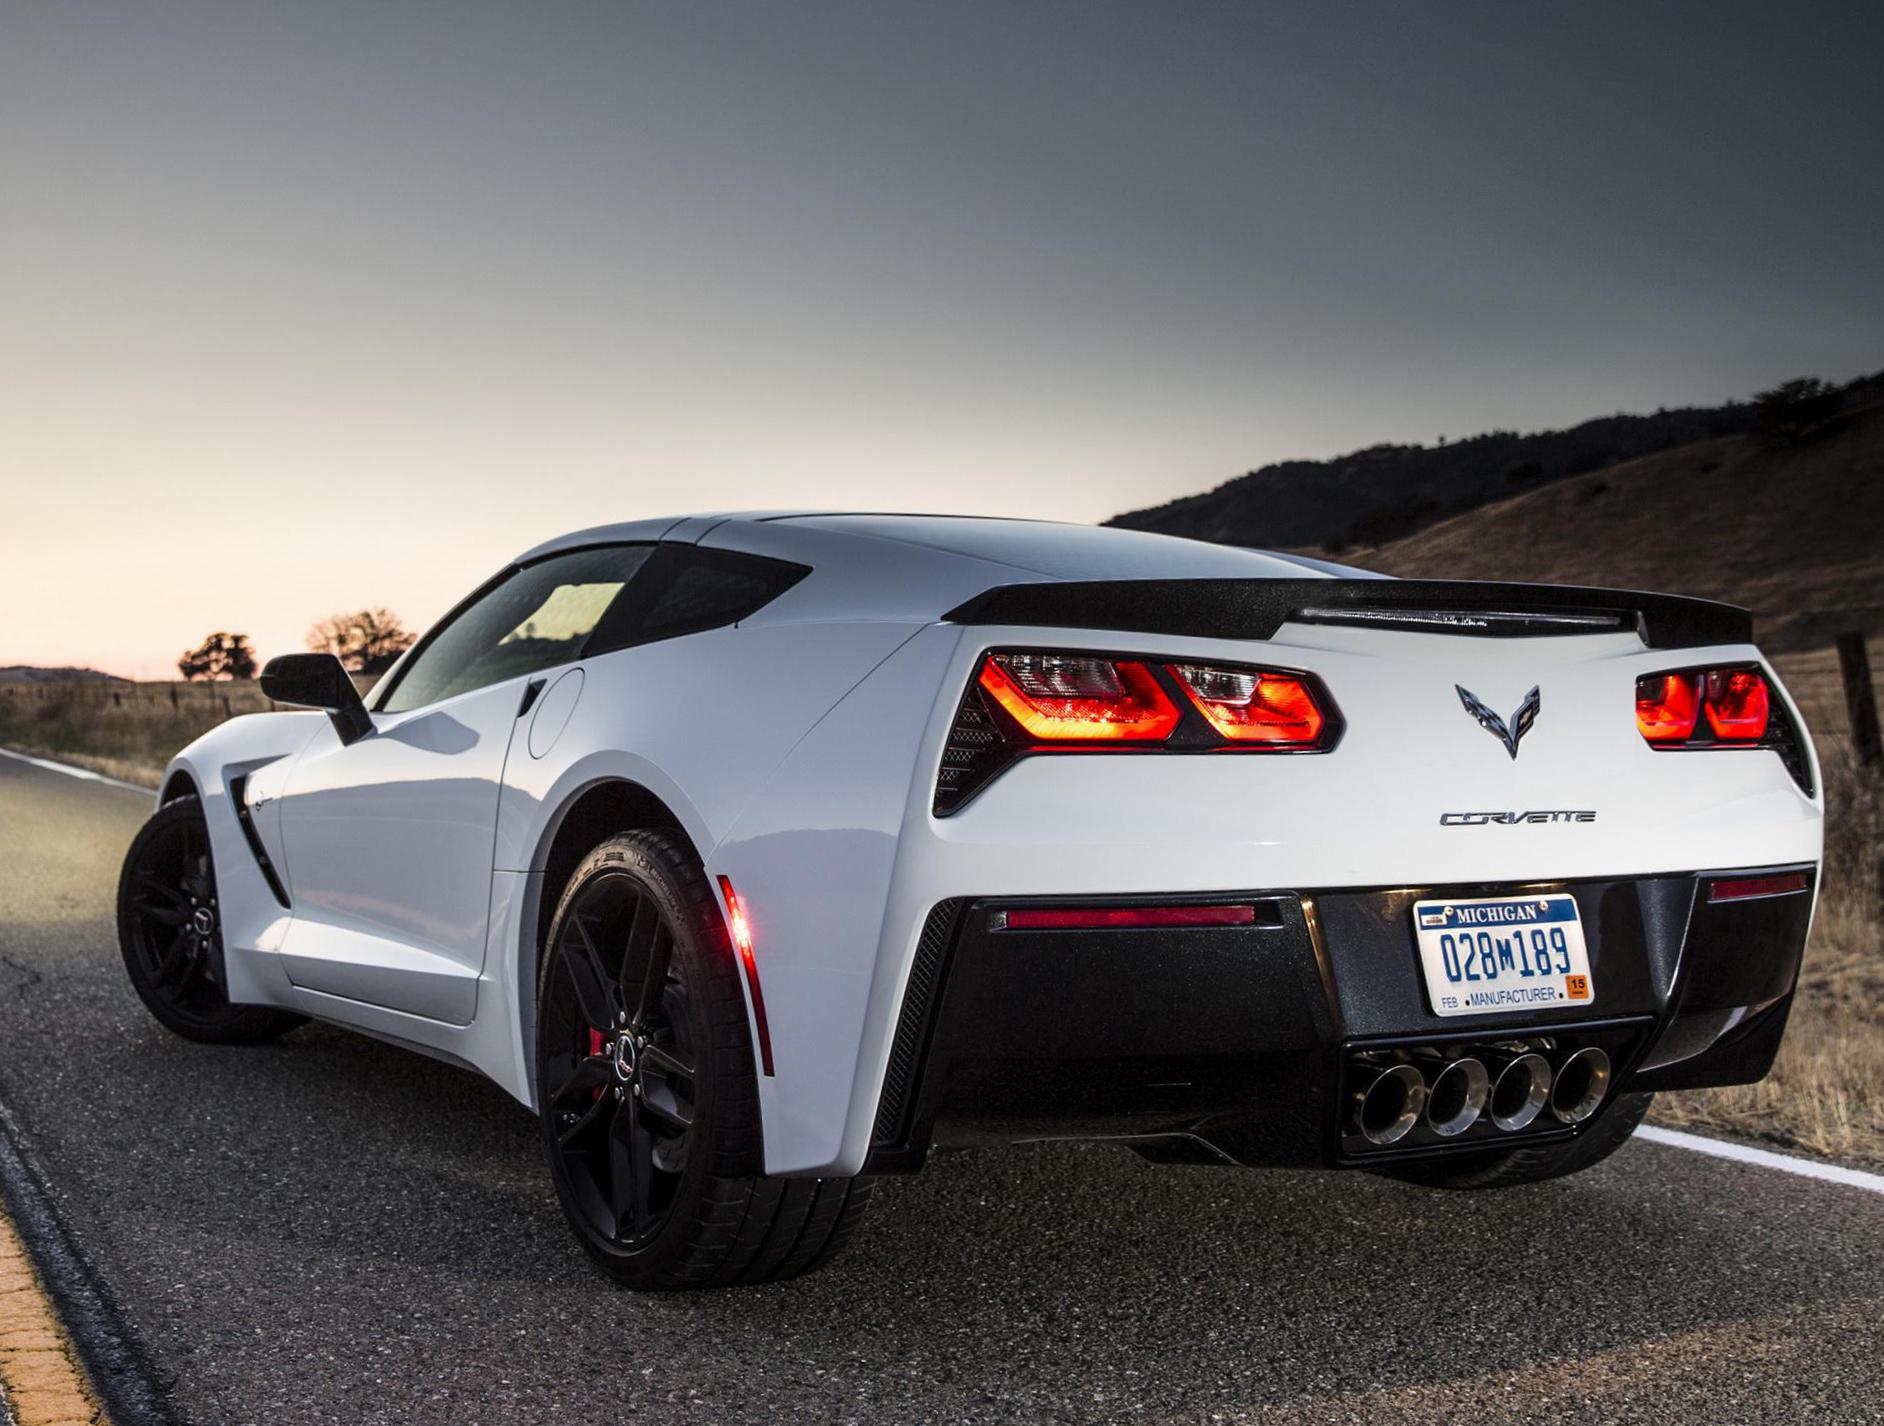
[
  {"x": 1533, "y": 1165},
  {"x": 647, "y": 1088},
  {"x": 170, "y": 933}
]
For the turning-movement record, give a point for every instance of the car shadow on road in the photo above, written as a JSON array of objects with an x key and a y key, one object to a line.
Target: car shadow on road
[{"x": 1059, "y": 1281}]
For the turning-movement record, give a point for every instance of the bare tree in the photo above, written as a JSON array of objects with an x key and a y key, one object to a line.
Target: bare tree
[
  {"x": 366, "y": 640},
  {"x": 221, "y": 655}
]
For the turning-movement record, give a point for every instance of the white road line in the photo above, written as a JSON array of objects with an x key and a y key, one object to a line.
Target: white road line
[
  {"x": 81, "y": 772},
  {"x": 1785, "y": 1163}
]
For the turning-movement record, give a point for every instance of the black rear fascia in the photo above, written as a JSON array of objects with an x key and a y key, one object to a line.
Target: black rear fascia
[
  {"x": 1014, "y": 1034},
  {"x": 1257, "y": 608}
]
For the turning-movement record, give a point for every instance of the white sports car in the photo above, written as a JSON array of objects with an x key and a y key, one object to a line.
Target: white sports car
[{"x": 761, "y": 854}]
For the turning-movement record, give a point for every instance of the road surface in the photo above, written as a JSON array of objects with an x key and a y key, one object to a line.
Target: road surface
[{"x": 331, "y": 1230}]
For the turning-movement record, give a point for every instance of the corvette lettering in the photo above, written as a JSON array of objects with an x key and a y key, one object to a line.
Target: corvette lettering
[{"x": 1512, "y": 819}]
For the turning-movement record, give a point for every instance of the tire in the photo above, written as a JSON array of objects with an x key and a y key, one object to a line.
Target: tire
[
  {"x": 651, "y": 1117},
  {"x": 170, "y": 934},
  {"x": 1609, "y": 1132}
]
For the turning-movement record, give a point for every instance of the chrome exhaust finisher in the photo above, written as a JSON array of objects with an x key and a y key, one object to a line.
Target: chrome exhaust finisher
[
  {"x": 1580, "y": 1086},
  {"x": 1457, "y": 1097},
  {"x": 1520, "y": 1092},
  {"x": 1387, "y": 1110}
]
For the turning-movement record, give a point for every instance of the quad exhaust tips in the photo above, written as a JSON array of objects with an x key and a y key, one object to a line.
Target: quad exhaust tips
[
  {"x": 1508, "y": 1087},
  {"x": 1580, "y": 1086},
  {"x": 1388, "y": 1106},
  {"x": 1520, "y": 1092},
  {"x": 1457, "y": 1096}
]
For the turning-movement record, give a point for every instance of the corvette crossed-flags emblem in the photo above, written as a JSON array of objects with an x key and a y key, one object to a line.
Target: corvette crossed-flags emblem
[{"x": 1508, "y": 734}]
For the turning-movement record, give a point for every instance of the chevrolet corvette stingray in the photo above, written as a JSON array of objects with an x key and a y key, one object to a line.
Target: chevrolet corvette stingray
[{"x": 761, "y": 855}]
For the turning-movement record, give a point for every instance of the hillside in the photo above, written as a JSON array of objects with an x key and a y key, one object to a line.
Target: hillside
[
  {"x": 1795, "y": 534},
  {"x": 1387, "y": 492},
  {"x": 28, "y": 673}
]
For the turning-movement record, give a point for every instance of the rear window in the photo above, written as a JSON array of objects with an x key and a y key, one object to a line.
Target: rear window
[{"x": 684, "y": 590}]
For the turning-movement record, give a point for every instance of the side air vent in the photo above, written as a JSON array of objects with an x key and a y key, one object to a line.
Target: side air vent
[
  {"x": 912, "y": 1023},
  {"x": 239, "y": 795}
]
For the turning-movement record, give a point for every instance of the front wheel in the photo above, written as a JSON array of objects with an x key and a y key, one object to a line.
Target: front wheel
[
  {"x": 170, "y": 933},
  {"x": 647, "y": 1091}
]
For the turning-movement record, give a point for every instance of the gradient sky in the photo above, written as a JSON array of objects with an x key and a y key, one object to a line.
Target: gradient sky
[{"x": 309, "y": 306}]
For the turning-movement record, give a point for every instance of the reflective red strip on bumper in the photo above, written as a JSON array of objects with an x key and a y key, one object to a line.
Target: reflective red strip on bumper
[
  {"x": 1746, "y": 888},
  {"x": 1091, "y": 918}
]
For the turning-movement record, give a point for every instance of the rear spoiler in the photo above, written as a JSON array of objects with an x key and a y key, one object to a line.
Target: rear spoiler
[{"x": 1256, "y": 608}]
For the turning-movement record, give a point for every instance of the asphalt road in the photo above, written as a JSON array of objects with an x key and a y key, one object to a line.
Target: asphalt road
[{"x": 329, "y": 1229}]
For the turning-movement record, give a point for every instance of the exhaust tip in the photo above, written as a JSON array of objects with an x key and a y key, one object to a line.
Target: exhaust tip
[
  {"x": 1520, "y": 1093},
  {"x": 1390, "y": 1105},
  {"x": 1457, "y": 1097},
  {"x": 1580, "y": 1086}
]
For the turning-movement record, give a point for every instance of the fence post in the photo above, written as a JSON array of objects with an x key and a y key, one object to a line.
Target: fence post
[{"x": 1854, "y": 663}]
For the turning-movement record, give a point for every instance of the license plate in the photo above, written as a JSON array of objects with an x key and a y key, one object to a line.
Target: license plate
[{"x": 1502, "y": 954}]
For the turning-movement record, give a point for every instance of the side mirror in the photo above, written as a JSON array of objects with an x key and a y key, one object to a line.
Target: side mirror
[{"x": 318, "y": 681}]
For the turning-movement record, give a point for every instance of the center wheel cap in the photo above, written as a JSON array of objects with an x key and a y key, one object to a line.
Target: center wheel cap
[
  {"x": 203, "y": 921},
  {"x": 625, "y": 1058}
]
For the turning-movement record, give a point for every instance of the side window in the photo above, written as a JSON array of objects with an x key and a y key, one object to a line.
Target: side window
[
  {"x": 685, "y": 590},
  {"x": 533, "y": 618}
]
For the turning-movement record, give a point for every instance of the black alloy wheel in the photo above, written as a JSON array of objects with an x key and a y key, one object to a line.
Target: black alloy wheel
[
  {"x": 648, "y": 1090},
  {"x": 170, "y": 933},
  {"x": 619, "y": 1068}
]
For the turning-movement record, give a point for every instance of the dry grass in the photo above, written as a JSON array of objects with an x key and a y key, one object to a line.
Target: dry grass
[
  {"x": 126, "y": 730},
  {"x": 1826, "y": 1093},
  {"x": 1825, "y": 1096},
  {"x": 1790, "y": 534}
]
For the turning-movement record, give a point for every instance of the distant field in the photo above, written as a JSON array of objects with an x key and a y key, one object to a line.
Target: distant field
[
  {"x": 1826, "y": 1095},
  {"x": 125, "y": 730}
]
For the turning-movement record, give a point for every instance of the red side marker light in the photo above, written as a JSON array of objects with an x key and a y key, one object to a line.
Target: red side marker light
[
  {"x": 1749, "y": 887},
  {"x": 741, "y": 930}
]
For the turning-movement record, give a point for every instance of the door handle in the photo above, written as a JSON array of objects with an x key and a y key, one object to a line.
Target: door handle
[{"x": 530, "y": 691}]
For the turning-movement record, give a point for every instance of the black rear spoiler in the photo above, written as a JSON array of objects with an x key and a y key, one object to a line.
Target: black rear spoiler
[{"x": 1256, "y": 608}]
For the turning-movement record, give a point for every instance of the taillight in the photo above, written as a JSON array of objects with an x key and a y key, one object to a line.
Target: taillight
[
  {"x": 1736, "y": 704},
  {"x": 1079, "y": 698},
  {"x": 1026, "y": 701},
  {"x": 1667, "y": 706},
  {"x": 1250, "y": 705},
  {"x": 1730, "y": 706}
]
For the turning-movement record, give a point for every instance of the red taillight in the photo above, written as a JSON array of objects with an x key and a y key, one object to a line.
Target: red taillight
[
  {"x": 741, "y": 931},
  {"x": 1737, "y": 704},
  {"x": 1080, "y": 698},
  {"x": 1026, "y": 701},
  {"x": 1667, "y": 706},
  {"x": 1092, "y": 918},
  {"x": 1705, "y": 707},
  {"x": 1250, "y": 705}
]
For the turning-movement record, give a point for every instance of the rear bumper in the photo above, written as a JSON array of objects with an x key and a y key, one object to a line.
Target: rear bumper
[{"x": 1215, "y": 1043}]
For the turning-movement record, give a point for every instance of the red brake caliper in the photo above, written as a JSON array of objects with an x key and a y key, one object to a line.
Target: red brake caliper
[{"x": 595, "y": 1048}]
